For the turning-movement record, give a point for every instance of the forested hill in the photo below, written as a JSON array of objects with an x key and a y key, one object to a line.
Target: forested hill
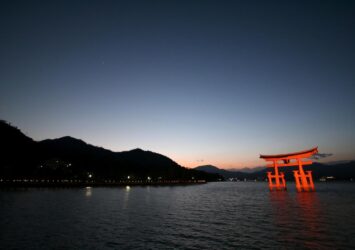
[{"x": 68, "y": 157}]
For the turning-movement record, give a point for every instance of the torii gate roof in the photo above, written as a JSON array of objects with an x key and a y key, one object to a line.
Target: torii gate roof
[{"x": 300, "y": 154}]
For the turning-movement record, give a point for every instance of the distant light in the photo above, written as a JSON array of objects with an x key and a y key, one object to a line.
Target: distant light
[
  {"x": 128, "y": 177},
  {"x": 90, "y": 175},
  {"x": 149, "y": 178},
  {"x": 128, "y": 187}
]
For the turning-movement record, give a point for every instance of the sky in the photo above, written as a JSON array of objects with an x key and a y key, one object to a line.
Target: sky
[{"x": 202, "y": 82}]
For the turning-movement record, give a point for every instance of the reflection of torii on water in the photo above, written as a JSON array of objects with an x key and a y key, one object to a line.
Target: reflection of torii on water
[{"x": 303, "y": 179}]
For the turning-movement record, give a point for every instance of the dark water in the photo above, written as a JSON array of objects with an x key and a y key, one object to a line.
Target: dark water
[{"x": 210, "y": 216}]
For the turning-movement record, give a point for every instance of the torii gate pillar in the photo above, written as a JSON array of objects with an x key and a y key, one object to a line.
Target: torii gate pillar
[
  {"x": 304, "y": 181},
  {"x": 277, "y": 180}
]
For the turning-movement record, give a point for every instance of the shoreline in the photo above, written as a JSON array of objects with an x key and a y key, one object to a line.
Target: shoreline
[
  {"x": 79, "y": 183},
  {"x": 82, "y": 184}
]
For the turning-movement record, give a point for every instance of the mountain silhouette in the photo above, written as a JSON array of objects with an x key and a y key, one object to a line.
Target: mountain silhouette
[
  {"x": 68, "y": 157},
  {"x": 223, "y": 172},
  {"x": 247, "y": 170}
]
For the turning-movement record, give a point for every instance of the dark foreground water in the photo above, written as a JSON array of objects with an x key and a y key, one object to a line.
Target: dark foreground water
[{"x": 210, "y": 216}]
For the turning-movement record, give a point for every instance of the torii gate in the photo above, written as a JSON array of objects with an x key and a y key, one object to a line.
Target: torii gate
[{"x": 303, "y": 180}]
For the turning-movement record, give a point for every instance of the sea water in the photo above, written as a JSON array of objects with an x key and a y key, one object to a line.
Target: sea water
[{"x": 220, "y": 215}]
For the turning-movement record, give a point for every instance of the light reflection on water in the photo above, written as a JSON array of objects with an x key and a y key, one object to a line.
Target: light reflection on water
[
  {"x": 126, "y": 197},
  {"x": 300, "y": 221},
  {"x": 88, "y": 191},
  {"x": 311, "y": 218},
  {"x": 210, "y": 216}
]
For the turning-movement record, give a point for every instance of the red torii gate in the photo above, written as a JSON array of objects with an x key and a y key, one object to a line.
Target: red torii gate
[{"x": 303, "y": 179}]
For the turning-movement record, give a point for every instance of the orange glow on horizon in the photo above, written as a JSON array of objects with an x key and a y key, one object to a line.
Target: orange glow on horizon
[
  {"x": 222, "y": 164},
  {"x": 225, "y": 161}
]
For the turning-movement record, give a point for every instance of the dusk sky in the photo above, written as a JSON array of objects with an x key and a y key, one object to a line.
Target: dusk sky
[{"x": 202, "y": 82}]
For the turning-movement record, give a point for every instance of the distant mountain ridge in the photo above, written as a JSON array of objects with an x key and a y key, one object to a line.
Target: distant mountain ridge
[
  {"x": 246, "y": 170},
  {"x": 68, "y": 157},
  {"x": 340, "y": 171},
  {"x": 225, "y": 173}
]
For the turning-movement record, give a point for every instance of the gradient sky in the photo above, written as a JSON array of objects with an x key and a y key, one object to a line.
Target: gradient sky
[{"x": 203, "y": 82}]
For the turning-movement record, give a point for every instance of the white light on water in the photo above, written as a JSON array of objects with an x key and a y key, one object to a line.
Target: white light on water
[{"x": 88, "y": 191}]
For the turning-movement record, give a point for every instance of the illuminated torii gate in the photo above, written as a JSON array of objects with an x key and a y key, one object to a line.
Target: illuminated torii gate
[{"x": 303, "y": 178}]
